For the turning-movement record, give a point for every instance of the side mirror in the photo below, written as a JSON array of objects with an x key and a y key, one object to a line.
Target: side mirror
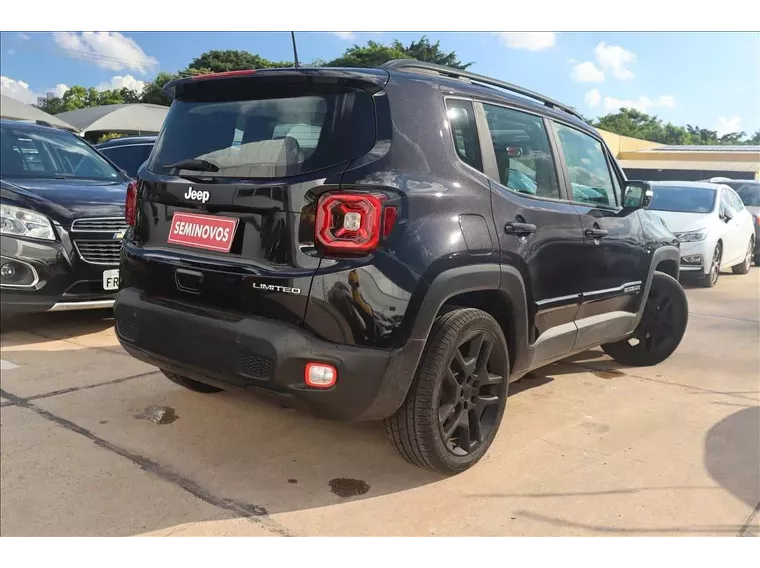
[
  {"x": 637, "y": 195},
  {"x": 729, "y": 213}
]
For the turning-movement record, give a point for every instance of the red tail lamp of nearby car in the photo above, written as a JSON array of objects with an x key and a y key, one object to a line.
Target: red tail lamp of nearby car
[{"x": 130, "y": 206}]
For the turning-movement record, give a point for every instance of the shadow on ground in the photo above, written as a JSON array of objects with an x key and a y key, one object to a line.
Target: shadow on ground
[{"x": 732, "y": 454}]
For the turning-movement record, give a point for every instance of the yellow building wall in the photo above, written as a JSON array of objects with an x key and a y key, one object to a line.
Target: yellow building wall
[{"x": 619, "y": 144}]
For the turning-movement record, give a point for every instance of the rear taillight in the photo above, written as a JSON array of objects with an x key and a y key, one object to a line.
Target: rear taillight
[
  {"x": 130, "y": 207},
  {"x": 352, "y": 222}
]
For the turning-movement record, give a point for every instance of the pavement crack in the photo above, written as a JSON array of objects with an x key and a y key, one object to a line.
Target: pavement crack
[
  {"x": 253, "y": 513},
  {"x": 745, "y": 527},
  {"x": 87, "y": 387},
  {"x": 724, "y": 317}
]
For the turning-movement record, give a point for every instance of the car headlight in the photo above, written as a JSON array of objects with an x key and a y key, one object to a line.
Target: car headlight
[
  {"x": 692, "y": 236},
  {"x": 25, "y": 223}
]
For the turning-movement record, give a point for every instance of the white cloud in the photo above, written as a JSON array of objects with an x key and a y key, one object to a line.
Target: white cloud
[
  {"x": 345, "y": 35},
  {"x": 109, "y": 50},
  {"x": 643, "y": 103},
  {"x": 119, "y": 82},
  {"x": 17, "y": 90},
  {"x": 59, "y": 90},
  {"x": 587, "y": 72},
  {"x": 725, "y": 125},
  {"x": 532, "y": 41},
  {"x": 592, "y": 98},
  {"x": 615, "y": 58},
  {"x": 22, "y": 36}
]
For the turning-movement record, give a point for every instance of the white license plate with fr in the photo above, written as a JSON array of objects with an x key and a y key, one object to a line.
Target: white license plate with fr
[{"x": 111, "y": 279}]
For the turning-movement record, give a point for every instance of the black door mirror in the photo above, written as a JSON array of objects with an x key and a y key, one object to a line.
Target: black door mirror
[{"x": 637, "y": 195}]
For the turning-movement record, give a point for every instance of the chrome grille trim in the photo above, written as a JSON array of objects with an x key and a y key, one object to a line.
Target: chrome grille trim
[
  {"x": 99, "y": 225},
  {"x": 99, "y": 252}
]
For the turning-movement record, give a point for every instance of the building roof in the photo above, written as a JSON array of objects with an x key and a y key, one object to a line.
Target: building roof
[
  {"x": 745, "y": 149},
  {"x": 16, "y": 110},
  {"x": 125, "y": 118},
  {"x": 703, "y": 165}
]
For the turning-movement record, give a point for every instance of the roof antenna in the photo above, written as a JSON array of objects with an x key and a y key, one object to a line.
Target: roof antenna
[{"x": 295, "y": 51}]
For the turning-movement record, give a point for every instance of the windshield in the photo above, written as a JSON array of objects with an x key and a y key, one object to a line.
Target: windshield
[
  {"x": 683, "y": 199},
  {"x": 749, "y": 193},
  {"x": 51, "y": 154},
  {"x": 265, "y": 138}
]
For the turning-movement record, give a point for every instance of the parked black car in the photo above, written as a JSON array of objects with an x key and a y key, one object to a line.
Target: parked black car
[
  {"x": 62, "y": 221},
  {"x": 128, "y": 152},
  {"x": 749, "y": 192},
  {"x": 394, "y": 243}
]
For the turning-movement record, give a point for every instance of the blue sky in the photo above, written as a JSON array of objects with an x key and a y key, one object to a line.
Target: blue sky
[{"x": 708, "y": 79}]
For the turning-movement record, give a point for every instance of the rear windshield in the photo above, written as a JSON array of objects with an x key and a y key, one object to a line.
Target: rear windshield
[
  {"x": 265, "y": 138},
  {"x": 749, "y": 193},
  {"x": 683, "y": 199}
]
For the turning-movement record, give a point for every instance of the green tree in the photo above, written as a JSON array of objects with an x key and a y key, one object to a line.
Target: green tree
[
  {"x": 375, "y": 54},
  {"x": 637, "y": 124},
  {"x": 423, "y": 50},
  {"x": 153, "y": 94},
  {"x": 78, "y": 97},
  {"x": 218, "y": 61}
]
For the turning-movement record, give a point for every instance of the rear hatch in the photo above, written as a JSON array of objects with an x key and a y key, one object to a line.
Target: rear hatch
[{"x": 226, "y": 199}]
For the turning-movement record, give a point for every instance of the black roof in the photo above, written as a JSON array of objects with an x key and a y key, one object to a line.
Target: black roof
[
  {"x": 127, "y": 141},
  {"x": 461, "y": 82}
]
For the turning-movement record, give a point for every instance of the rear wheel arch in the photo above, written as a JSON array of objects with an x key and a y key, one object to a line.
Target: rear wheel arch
[{"x": 496, "y": 289}]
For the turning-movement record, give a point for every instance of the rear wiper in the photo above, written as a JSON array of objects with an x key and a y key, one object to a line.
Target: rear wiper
[{"x": 196, "y": 164}]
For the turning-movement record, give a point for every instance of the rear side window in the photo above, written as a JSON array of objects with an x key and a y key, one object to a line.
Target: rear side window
[
  {"x": 129, "y": 157},
  {"x": 464, "y": 131},
  {"x": 271, "y": 137}
]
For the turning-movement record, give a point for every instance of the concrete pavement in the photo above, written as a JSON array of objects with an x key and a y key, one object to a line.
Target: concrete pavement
[{"x": 587, "y": 447}]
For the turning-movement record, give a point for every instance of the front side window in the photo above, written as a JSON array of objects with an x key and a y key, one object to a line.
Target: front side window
[
  {"x": 464, "y": 132},
  {"x": 523, "y": 154},
  {"x": 749, "y": 193},
  {"x": 51, "y": 154},
  {"x": 586, "y": 160}
]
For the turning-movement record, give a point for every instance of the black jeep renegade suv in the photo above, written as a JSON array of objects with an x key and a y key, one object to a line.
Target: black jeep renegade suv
[{"x": 396, "y": 243}]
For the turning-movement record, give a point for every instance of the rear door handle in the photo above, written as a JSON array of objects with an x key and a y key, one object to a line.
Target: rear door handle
[
  {"x": 595, "y": 233},
  {"x": 514, "y": 228}
]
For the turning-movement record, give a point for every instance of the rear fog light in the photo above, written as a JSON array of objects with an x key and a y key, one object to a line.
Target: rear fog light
[{"x": 319, "y": 375}]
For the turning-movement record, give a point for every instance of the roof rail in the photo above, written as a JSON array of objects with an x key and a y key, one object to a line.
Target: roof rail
[{"x": 459, "y": 73}]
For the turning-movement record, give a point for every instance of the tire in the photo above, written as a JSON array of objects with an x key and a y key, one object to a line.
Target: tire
[
  {"x": 746, "y": 264},
  {"x": 191, "y": 384},
  {"x": 711, "y": 278},
  {"x": 463, "y": 374},
  {"x": 661, "y": 328}
]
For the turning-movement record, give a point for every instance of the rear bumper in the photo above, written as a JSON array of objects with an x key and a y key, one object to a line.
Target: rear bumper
[{"x": 264, "y": 356}]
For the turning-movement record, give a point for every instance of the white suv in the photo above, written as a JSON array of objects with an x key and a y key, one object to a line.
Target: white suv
[{"x": 715, "y": 229}]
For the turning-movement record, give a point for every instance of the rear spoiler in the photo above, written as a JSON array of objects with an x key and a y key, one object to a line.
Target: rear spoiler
[{"x": 371, "y": 80}]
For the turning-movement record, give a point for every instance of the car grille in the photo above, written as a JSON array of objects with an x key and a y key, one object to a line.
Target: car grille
[
  {"x": 99, "y": 252},
  {"x": 99, "y": 225}
]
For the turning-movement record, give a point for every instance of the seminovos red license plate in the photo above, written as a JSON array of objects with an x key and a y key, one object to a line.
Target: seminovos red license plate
[{"x": 202, "y": 231}]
